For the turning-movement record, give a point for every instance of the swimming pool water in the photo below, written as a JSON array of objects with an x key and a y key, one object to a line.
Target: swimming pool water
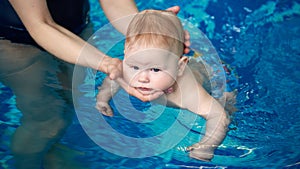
[{"x": 261, "y": 40}]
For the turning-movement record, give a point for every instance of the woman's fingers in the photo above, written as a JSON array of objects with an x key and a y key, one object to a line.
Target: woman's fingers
[{"x": 174, "y": 9}]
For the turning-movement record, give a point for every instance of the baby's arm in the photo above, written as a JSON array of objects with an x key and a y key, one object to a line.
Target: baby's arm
[
  {"x": 216, "y": 129},
  {"x": 105, "y": 93}
]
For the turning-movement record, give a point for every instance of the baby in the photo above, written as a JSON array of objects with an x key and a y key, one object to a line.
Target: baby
[{"x": 154, "y": 62}]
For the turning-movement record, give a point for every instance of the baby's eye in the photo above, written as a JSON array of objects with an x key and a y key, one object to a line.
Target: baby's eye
[
  {"x": 135, "y": 67},
  {"x": 155, "y": 69}
]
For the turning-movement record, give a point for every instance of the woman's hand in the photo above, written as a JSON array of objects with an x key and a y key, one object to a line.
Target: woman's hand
[
  {"x": 187, "y": 42},
  {"x": 112, "y": 67}
]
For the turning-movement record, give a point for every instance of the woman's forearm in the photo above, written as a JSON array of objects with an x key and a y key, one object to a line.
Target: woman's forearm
[
  {"x": 66, "y": 45},
  {"x": 119, "y": 12}
]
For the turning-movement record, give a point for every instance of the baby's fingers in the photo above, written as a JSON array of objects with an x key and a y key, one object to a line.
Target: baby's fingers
[
  {"x": 104, "y": 108},
  {"x": 201, "y": 152},
  {"x": 203, "y": 156},
  {"x": 194, "y": 146}
]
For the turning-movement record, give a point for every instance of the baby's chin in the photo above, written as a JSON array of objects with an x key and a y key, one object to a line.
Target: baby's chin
[
  {"x": 146, "y": 91},
  {"x": 150, "y": 93}
]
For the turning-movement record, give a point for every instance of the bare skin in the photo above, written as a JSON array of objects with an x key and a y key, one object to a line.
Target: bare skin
[
  {"x": 67, "y": 46},
  {"x": 198, "y": 101},
  {"x": 64, "y": 45}
]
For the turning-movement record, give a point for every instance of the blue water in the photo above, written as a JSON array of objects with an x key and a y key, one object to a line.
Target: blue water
[{"x": 260, "y": 40}]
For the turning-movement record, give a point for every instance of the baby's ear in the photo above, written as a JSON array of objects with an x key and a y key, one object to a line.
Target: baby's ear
[{"x": 182, "y": 64}]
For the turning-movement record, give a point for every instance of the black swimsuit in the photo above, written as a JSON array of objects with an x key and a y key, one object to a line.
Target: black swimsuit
[{"x": 71, "y": 14}]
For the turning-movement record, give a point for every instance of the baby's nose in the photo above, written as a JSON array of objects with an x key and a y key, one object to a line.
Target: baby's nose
[{"x": 143, "y": 77}]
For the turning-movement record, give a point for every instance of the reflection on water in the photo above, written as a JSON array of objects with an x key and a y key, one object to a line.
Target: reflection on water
[{"x": 261, "y": 41}]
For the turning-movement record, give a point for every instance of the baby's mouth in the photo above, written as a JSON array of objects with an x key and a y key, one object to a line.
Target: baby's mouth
[{"x": 144, "y": 90}]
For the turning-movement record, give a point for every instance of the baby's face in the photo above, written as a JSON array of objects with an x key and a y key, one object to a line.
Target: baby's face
[{"x": 150, "y": 70}]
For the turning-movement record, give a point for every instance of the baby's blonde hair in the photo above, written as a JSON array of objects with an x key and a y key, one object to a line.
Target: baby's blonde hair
[{"x": 156, "y": 28}]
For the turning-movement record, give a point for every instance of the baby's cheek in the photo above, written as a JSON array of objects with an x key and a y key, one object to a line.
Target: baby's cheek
[
  {"x": 126, "y": 75},
  {"x": 130, "y": 79},
  {"x": 165, "y": 83}
]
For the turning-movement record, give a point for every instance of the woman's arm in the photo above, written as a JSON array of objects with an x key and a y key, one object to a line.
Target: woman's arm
[
  {"x": 59, "y": 41},
  {"x": 119, "y": 12}
]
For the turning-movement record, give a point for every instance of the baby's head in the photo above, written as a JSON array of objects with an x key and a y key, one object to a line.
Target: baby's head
[
  {"x": 153, "y": 51},
  {"x": 155, "y": 29}
]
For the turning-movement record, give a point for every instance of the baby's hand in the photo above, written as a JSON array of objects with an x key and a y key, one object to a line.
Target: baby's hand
[
  {"x": 201, "y": 152},
  {"x": 104, "y": 108}
]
